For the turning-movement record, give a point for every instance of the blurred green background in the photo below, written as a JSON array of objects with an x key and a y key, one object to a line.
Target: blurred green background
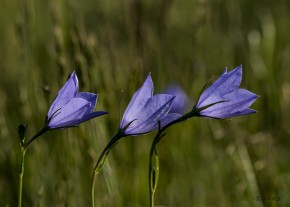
[{"x": 113, "y": 45}]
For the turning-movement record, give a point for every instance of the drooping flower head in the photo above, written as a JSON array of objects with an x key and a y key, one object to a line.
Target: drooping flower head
[
  {"x": 70, "y": 107},
  {"x": 181, "y": 102},
  {"x": 224, "y": 99},
  {"x": 145, "y": 110}
]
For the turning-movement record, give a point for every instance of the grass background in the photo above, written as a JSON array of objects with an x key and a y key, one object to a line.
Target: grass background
[{"x": 113, "y": 45}]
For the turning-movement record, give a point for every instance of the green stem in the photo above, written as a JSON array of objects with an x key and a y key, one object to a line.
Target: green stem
[
  {"x": 152, "y": 176},
  {"x": 93, "y": 190},
  {"x": 154, "y": 167},
  {"x": 151, "y": 193},
  {"x": 38, "y": 134},
  {"x": 153, "y": 157},
  {"x": 21, "y": 172},
  {"x": 21, "y": 167},
  {"x": 101, "y": 161}
]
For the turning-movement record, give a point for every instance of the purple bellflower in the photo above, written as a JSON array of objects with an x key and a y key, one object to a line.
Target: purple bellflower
[
  {"x": 71, "y": 108},
  {"x": 145, "y": 111},
  {"x": 181, "y": 102},
  {"x": 224, "y": 99}
]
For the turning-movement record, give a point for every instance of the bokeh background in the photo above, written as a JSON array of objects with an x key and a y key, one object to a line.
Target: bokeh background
[{"x": 113, "y": 45}]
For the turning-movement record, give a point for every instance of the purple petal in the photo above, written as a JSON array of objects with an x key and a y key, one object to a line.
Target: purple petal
[
  {"x": 75, "y": 109},
  {"x": 138, "y": 101},
  {"x": 155, "y": 109},
  {"x": 225, "y": 84},
  {"x": 236, "y": 104},
  {"x": 75, "y": 122},
  {"x": 90, "y": 97},
  {"x": 152, "y": 126},
  {"x": 169, "y": 118},
  {"x": 238, "y": 113},
  {"x": 67, "y": 92}
]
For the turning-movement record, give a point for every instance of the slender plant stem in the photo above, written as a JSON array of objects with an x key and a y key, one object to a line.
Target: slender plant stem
[
  {"x": 21, "y": 172},
  {"x": 154, "y": 167},
  {"x": 93, "y": 189},
  {"x": 152, "y": 182},
  {"x": 154, "y": 171},
  {"x": 150, "y": 179},
  {"x": 38, "y": 134},
  {"x": 101, "y": 161},
  {"x": 98, "y": 167},
  {"x": 22, "y": 161}
]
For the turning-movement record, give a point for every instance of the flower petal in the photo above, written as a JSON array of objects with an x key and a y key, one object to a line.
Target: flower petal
[
  {"x": 155, "y": 109},
  {"x": 75, "y": 109},
  {"x": 138, "y": 101},
  {"x": 225, "y": 84},
  {"x": 67, "y": 92},
  {"x": 75, "y": 122},
  {"x": 238, "y": 113},
  {"x": 169, "y": 118},
  {"x": 90, "y": 97},
  {"x": 236, "y": 104}
]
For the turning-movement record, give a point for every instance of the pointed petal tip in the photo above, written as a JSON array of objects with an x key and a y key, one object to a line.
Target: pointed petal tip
[
  {"x": 149, "y": 83},
  {"x": 238, "y": 69},
  {"x": 75, "y": 78},
  {"x": 250, "y": 111},
  {"x": 254, "y": 98},
  {"x": 149, "y": 78},
  {"x": 74, "y": 75}
]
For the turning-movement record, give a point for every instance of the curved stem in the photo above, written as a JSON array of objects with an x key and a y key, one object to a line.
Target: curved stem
[
  {"x": 101, "y": 161},
  {"x": 152, "y": 175},
  {"x": 153, "y": 157},
  {"x": 38, "y": 134},
  {"x": 93, "y": 190},
  {"x": 22, "y": 162},
  {"x": 151, "y": 196}
]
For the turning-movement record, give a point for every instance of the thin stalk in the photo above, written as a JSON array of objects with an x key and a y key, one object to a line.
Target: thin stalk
[
  {"x": 101, "y": 161},
  {"x": 152, "y": 181},
  {"x": 153, "y": 175},
  {"x": 38, "y": 134},
  {"x": 151, "y": 191},
  {"x": 21, "y": 172},
  {"x": 22, "y": 162}
]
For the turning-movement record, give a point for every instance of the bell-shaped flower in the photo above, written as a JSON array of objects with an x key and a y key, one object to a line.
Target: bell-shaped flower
[
  {"x": 224, "y": 98},
  {"x": 145, "y": 111},
  {"x": 181, "y": 102},
  {"x": 71, "y": 108}
]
